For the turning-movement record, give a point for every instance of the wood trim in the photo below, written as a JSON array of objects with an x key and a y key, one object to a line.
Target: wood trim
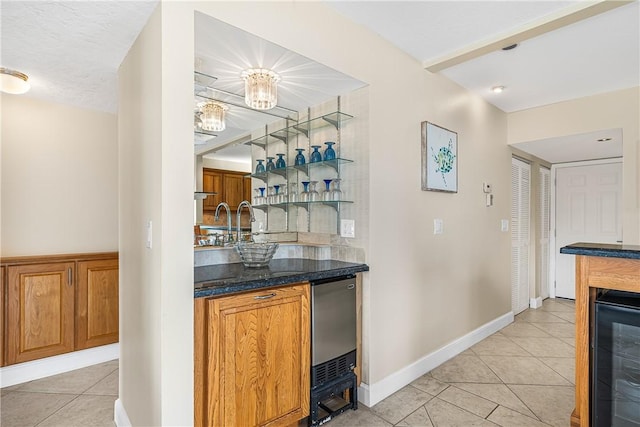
[
  {"x": 200, "y": 361},
  {"x": 358, "y": 369},
  {"x": 41, "y": 259},
  {"x": 3, "y": 312}
]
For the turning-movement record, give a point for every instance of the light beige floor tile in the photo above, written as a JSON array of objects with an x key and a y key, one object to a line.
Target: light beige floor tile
[
  {"x": 444, "y": 414},
  {"x": 21, "y": 409},
  {"x": 84, "y": 411},
  {"x": 362, "y": 417},
  {"x": 498, "y": 345},
  {"x": 468, "y": 401},
  {"x": 545, "y": 347},
  {"x": 567, "y": 316},
  {"x": 107, "y": 386},
  {"x": 551, "y": 404},
  {"x": 523, "y": 370},
  {"x": 554, "y": 305},
  {"x": 467, "y": 352},
  {"x": 538, "y": 317},
  {"x": 464, "y": 369},
  {"x": 429, "y": 384},
  {"x": 522, "y": 329},
  {"x": 9, "y": 389},
  {"x": 558, "y": 330},
  {"x": 401, "y": 403},
  {"x": 419, "y": 418},
  {"x": 74, "y": 382},
  {"x": 506, "y": 417},
  {"x": 570, "y": 341},
  {"x": 499, "y": 394},
  {"x": 565, "y": 366}
]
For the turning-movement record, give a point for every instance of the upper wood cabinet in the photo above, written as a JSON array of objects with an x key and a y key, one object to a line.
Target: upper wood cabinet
[
  {"x": 252, "y": 358},
  {"x": 97, "y": 303},
  {"x": 40, "y": 303},
  {"x": 232, "y": 187}
]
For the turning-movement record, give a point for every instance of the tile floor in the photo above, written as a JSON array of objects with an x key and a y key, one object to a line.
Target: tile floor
[{"x": 519, "y": 377}]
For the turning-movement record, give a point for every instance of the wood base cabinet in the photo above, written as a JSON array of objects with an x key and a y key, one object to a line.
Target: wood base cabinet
[
  {"x": 252, "y": 358},
  {"x": 57, "y": 304}
]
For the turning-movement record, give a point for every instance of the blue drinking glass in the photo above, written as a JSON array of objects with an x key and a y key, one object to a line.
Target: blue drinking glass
[
  {"x": 280, "y": 163},
  {"x": 315, "y": 156},
  {"x": 270, "y": 165},
  {"x": 300, "y": 160},
  {"x": 260, "y": 166},
  {"x": 329, "y": 152}
]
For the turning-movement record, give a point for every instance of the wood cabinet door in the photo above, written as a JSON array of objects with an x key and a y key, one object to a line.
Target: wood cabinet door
[
  {"x": 39, "y": 311},
  {"x": 97, "y": 303},
  {"x": 212, "y": 182},
  {"x": 247, "y": 190},
  {"x": 3, "y": 310},
  {"x": 259, "y": 357},
  {"x": 233, "y": 189}
]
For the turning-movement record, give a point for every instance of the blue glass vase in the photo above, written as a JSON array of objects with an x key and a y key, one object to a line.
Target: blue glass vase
[
  {"x": 315, "y": 155},
  {"x": 270, "y": 165},
  {"x": 300, "y": 160},
  {"x": 260, "y": 166},
  {"x": 280, "y": 163},
  {"x": 329, "y": 152}
]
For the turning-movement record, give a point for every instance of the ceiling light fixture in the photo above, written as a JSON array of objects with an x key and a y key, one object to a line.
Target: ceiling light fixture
[
  {"x": 604, "y": 139},
  {"x": 497, "y": 89},
  {"x": 14, "y": 82},
  {"x": 212, "y": 117},
  {"x": 260, "y": 88},
  {"x": 511, "y": 46}
]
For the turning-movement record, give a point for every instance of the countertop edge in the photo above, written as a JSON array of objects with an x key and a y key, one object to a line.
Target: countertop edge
[{"x": 602, "y": 250}]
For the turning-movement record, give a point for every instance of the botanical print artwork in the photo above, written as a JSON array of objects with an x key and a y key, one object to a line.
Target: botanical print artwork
[{"x": 439, "y": 158}]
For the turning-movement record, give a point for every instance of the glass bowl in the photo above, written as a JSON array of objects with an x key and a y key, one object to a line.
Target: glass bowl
[{"x": 256, "y": 254}]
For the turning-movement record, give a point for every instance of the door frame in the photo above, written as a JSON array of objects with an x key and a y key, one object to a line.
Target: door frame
[{"x": 552, "y": 220}]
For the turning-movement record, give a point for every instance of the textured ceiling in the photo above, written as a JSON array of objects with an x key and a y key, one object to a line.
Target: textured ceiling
[{"x": 71, "y": 51}]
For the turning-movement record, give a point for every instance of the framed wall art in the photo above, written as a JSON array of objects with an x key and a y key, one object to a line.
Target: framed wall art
[{"x": 439, "y": 158}]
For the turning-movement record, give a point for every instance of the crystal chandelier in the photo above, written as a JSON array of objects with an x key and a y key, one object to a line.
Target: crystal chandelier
[
  {"x": 260, "y": 88},
  {"x": 212, "y": 116}
]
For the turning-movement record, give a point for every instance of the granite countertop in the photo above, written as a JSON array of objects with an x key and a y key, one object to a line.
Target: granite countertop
[
  {"x": 220, "y": 279},
  {"x": 602, "y": 250}
]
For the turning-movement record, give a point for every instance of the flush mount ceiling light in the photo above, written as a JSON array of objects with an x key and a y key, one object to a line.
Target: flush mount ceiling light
[
  {"x": 14, "y": 82},
  {"x": 260, "y": 88},
  {"x": 497, "y": 89},
  {"x": 604, "y": 139},
  {"x": 511, "y": 46},
  {"x": 212, "y": 116}
]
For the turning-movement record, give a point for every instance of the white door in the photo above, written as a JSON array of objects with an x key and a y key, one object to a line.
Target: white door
[
  {"x": 520, "y": 218},
  {"x": 544, "y": 195},
  {"x": 588, "y": 209}
]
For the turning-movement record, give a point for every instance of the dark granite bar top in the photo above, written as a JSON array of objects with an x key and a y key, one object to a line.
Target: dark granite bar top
[
  {"x": 602, "y": 250},
  {"x": 220, "y": 279}
]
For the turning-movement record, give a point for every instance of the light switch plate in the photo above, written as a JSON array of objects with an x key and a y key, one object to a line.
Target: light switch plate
[
  {"x": 149, "y": 242},
  {"x": 486, "y": 187},
  {"x": 438, "y": 226},
  {"x": 347, "y": 228},
  {"x": 504, "y": 225}
]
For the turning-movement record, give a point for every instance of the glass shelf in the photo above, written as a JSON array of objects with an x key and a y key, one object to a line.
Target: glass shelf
[
  {"x": 334, "y": 119},
  {"x": 333, "y": 203},
  {"x": 284, "y": 172}
]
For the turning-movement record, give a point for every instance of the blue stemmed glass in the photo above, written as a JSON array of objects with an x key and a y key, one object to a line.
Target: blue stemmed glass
[
  {"x": 270, "y": 165},
  {"x": 315, "y": 155},
  {"x": 299, "y": 157},
  {"x": 329, "y": 152},
  {"x": 260, "y": 166},
  {"x": 280, "y": 163}
]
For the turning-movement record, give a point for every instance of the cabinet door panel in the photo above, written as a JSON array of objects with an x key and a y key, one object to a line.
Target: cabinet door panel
[
  {"x": 260, "y": 358},
  {"x": 3, "y": 310},
  {"x": 212, "y": 182},
  {"x": 40, "y": 311},
  {"x": 233, "y": 189},
  {"x": 97, "y": 303}
]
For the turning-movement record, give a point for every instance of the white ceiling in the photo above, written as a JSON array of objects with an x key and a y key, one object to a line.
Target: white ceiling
[{"x": 72, "y": 50}]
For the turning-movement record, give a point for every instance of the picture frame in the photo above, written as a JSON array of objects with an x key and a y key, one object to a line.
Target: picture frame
[{"x": 439, "y": 158}]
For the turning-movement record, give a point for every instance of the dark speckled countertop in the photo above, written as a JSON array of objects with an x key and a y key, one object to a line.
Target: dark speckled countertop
[
  {"x": 220, "y": 279},
  {"x": 602, "y": 250}
]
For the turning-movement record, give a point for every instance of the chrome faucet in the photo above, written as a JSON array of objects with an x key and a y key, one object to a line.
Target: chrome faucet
[
  {"x": 253, "y": 218},
  {"x": 229, "y": 238}
]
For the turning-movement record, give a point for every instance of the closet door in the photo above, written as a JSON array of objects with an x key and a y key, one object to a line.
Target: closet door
[
  {"x": 520, "y": 218},
  {"x": 544, "y": 195}
]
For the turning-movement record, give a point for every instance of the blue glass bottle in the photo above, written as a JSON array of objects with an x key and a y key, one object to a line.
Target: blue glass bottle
[
  {"x": 260, "y": 167},
  {"x": 280, "y": 163},
  {"x": 270, "y": 165},
  {"x": 315, "y": 156},
  {"x": 329, "y": 152},
  {"x": 300, "y": 160}
]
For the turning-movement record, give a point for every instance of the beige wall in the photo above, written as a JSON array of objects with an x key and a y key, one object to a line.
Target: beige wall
[
  {"x": 423, "y": 291},
  {"x": 59, "y": 178},
  {"x": 156, "y": 184},
  {"x": 619, "y": 109}
]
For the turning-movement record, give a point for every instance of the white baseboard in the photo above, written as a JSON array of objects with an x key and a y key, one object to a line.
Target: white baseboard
[
  {"x": 41, "y": 368},
  {"x": 120, "y": 415},
  {"x": 535, "y": 302},
  {"x": 370, "y": 394}
]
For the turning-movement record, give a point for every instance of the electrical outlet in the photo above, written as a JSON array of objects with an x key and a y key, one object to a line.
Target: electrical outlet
[
  {"x": 486, "y": 187},
  {"x": 149, "y": 242},
  {"x": 347, "y": 228}
]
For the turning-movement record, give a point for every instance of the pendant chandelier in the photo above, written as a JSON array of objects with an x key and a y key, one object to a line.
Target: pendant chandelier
[
  {"x": 260, "y": 88},
  {"x": 213, "y": 115}
]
